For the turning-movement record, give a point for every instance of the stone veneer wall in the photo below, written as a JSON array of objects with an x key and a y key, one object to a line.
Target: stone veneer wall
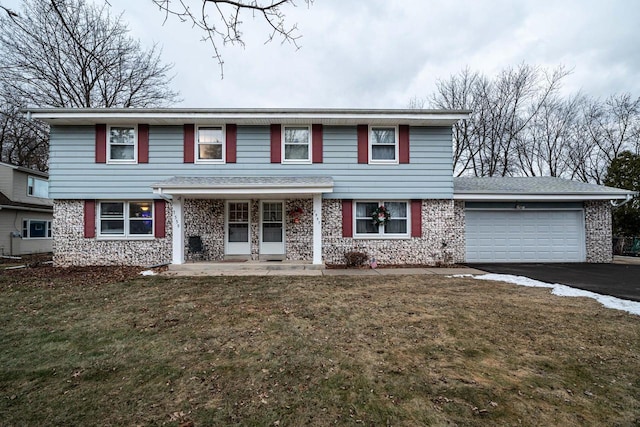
[
  {"x": 598, "y": 231},
  {"x": 442, "y": 240},
  {"x": 71, "y": 248},
  {"x": 204, "y": 218}
]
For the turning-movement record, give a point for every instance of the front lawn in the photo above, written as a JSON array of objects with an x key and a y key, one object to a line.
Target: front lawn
[{"x": 292, "y": 351}]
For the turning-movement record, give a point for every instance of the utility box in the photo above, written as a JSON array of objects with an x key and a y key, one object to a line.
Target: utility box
[{"x": 16, "y": 241}]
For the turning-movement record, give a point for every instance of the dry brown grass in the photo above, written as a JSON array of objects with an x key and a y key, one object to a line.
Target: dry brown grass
[{"x": 405, "y": 350}]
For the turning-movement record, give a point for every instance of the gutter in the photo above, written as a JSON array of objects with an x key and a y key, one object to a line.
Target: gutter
[
  {"x": 624, "y": 202},
  {"x": 22, "y": 208}
]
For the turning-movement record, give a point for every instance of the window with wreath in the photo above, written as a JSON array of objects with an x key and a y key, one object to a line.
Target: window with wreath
[
  {"x": 210, "y": 144},
  {"x": 125, "y": 219},
  {"x": 383, "y": 145},
  {"x": 122, "y": 144},
  {"x": 36, "y": 229},
  {"x": 381, "y": 218},
  {"x": 297, "y": 144}
]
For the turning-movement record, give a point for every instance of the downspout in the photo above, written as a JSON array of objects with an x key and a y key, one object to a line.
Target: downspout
[{"x": 624, "y": 202}]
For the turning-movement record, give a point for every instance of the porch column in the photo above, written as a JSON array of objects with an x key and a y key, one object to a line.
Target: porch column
[
  {"x": 317, "y": 228},
  {"x": 178, "y": 230}
]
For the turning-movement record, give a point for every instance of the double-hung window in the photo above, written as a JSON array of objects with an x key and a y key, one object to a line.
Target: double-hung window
[
  {"x": 297, "y": 144},
  {"x": 37, "y": 187},
  {"x": 36, "y": 229},
  {"x": 383, "y": 145},
  {"x": 210, "y": 146},
  {"x": 123, "y": 144},
  {"x": 125, "y": 219},
  {"x": 396, "y": 227}
]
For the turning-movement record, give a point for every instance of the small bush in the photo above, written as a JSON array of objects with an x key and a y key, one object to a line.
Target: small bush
[{"x": 356, "y": 259}]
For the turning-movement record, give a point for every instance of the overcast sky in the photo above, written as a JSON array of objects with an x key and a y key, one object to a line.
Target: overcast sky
[{"x": 381, "y": 53}]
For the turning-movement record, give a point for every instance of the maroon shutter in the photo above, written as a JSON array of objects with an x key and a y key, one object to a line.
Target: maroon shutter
[
  {"x": 403, "y": 140},
  {"x": 101, "y": 143},
  {"x": 189, "y": 143},
  {"x": 230, "y": 141},
  {"x": 143, "y": 143},
  {"x": 160, "y": 218},
  {"x": 316, "y": 142},
  {"x": 416, "y": 218},
  {"x": 363, "y": 144},
  {"x": 347, "y": 218},
  {"x": 276, "y": 144},
  {"x": 89, "y": 218}
]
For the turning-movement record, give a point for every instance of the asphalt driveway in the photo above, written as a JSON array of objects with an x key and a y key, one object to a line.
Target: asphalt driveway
[{"x": 618, "y": 280}]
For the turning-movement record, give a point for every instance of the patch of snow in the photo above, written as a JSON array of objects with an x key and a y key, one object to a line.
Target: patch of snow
[
  {"x": 148, "y": 273},
  {"x": 632, "y": 307},
  {"x": 461, "y": 275}
]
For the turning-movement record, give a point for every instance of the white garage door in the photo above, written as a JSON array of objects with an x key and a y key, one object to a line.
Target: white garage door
[{"x": 525, "y": 236}]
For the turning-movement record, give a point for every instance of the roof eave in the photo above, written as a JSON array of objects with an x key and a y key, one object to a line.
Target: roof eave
[{"x": 496, "y": 197}]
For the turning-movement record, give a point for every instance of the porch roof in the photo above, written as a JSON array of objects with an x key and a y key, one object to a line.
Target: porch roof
[{"x": 232, "y": 186}]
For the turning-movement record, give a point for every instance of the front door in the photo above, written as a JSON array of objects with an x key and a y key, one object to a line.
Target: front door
[
  {"x": 237, "y": 230},
  {"x": 272, "y": 228}
]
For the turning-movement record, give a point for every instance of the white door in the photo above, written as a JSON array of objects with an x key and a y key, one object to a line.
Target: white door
[
  {"x": 237, "y": 229},
  {"x": 272, "y": 228},
  {"x": 524, "y": 236}
]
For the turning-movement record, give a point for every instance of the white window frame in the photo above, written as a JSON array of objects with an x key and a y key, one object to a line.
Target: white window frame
[
  {"x": 381, "y": 234},
  {"x": 31, "y": 186},
  {"x": 196, "y": 143},
  {"x": 373, "y": 161},
  {"x": 126, "y": 218},
  {"x": 28, "y": 222},
  {"x": 284, "y": 143},
  {"x": 135, "y": 145}
]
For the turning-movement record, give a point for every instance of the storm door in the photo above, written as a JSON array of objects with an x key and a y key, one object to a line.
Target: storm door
[{"x": 237, "y": 229}]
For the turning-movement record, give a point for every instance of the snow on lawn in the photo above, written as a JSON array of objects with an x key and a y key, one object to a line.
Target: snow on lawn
[{"x": 632, "y": 307}]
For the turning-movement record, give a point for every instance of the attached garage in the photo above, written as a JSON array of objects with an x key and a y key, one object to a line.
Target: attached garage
[
  {"x": 524, "y": 235},
  {"x": 536, "y": 219}
]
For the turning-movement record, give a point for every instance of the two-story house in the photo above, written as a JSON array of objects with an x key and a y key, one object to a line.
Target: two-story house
[
  {"x": 26, "y": 211},
  {"x": 147, "y": 186}
]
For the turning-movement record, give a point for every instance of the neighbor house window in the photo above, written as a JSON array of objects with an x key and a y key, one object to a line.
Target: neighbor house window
[
  {"x": 383, "y": 145},
  {"x": 36, "y": 229},
  {"x": 397, "y": 226},
  {"x": 122, "y": 144},
  {"x": 125, "y": 219},
  {"x": 297, "y": 144},
  {"x": 210, "y": 146},
  {"x": 37, "y": 187}
]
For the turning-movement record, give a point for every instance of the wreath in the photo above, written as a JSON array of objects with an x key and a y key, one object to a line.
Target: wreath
[{"x": 380, "y": 215}]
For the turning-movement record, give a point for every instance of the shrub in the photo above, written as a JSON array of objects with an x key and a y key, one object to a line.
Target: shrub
[{"x": 356, "y": 259}]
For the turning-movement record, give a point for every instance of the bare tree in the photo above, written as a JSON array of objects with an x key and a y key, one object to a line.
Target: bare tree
[
  {"x": 221, "y": 20},
  {"x": 502, "y": 108},
  {"x": 68, "y": 53}
]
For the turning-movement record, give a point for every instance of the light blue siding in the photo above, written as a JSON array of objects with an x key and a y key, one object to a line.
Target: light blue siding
[{"x": 75, "y": 175}]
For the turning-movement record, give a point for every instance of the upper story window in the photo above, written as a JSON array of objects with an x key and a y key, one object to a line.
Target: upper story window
[
  {"x": 297, "y": 144},
  {"x": 37, "y": 187},
  {"x": 125, "y": 219},
  {"x": 122, "y": 141},
  {"x": 396, "y": 227},
  {"x": 383, "y": 145},
  {"x": 36, "y": 229},
  {"x": 210, "y": 146}
]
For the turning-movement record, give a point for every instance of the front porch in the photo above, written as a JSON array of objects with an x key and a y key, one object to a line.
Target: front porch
[{"x": 246, "y": 219}]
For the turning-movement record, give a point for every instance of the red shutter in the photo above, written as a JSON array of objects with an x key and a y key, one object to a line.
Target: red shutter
[
  {"x": 143, "y": 143},
  {"x": 276, "y": 144},
  {"x": 347, "y": 218},
  {"x": 316, "y": 142},
  {"x": 160, "y": 218},
  {"x": 416, "y": 218},
  {"x": 231, "y": 138},
  {"x": 403, "y": 140},
  {"x": 89, "y": 218},
  {"x": 101, "y": 143},
  {"x": 363, "y": 144},
  {"x": 189, "y": 143}
]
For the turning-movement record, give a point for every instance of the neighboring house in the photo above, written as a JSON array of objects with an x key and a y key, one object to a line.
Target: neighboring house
[
  {"x": 26, "y": 211},
  {"x": 149, "y": 186}
]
